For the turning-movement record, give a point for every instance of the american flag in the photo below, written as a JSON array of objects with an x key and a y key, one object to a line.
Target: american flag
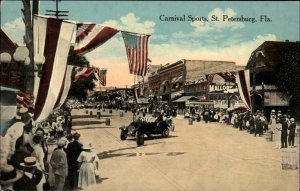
[
  {"x": 102, "y": 76},
  {"x": 25, "y": 100},
  {"x": 83, "y": 72},
  {"x": 137, "y": 52}
]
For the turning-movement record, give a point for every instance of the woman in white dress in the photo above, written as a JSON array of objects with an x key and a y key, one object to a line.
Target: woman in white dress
[
  {"x": 87, "y": 160},
  {"x": 273, "y": 128}
]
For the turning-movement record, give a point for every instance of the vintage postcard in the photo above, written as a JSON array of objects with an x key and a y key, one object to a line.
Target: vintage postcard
[{"x": 150, "y": 95}]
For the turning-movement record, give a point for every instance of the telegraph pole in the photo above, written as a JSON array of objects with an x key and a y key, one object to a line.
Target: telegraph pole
[{"x": 57, "y": 13}]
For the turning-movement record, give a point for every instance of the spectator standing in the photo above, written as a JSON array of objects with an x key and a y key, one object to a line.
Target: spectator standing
[
  {"x": 87, "y": 160},
  {"x": 292, "y": 129},
  {"x": 59, "y": 164},
  {"x": 38, "y": 152},
  {"x": 284, "y": 132},
  {"x": 34, "y": 174},
  {"x": 73, "y": 151}
]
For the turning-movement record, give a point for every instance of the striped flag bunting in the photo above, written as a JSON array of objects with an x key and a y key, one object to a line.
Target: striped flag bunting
[
  {"x": 101, "y": 73},
  {"x": 25, "y": 100},
  {"x": 137, "y": 52},
  {"x": 64, "y": 90},
  {"x": 243, "y": 82},
  {"x": 90, "y": 36},
  {"x": 54, "y": 42},
  {"x": 83, "y": 72}
]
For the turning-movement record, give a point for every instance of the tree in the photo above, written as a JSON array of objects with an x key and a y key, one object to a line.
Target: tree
[{"x": 79, "y": 88}]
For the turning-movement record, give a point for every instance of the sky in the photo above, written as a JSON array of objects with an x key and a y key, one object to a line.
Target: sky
[{"x": 171, "y": 41}]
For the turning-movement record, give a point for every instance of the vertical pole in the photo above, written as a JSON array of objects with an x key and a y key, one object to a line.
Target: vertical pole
[
  {"x": 56, "y": 13},
  {"x": 253, "y": 84}
]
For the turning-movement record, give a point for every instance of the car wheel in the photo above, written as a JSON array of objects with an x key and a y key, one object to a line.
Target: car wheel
[
  {"x": 166, "y": 132},
  {"x": 123, "y": 135},
  {"x": 139, "y": 139}
]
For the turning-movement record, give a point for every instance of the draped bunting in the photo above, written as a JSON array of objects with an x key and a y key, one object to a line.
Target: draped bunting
[
  {"x": 90, "y": 36},
  {"x": 52, "y": 42},
  {"x": 243, "y": 82},
  {"x": 55, "y": 38}
]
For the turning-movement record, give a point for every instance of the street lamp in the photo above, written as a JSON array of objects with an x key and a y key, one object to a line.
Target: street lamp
[{"x": 21, "y": 56}]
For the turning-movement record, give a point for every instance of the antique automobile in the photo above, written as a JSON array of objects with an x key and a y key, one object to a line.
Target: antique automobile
[{"x": 146, "y": 126}]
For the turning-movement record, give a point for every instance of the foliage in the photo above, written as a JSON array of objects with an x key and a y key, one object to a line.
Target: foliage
[
  {"x": 79, "y": 88},
  {"x": 288, "y": 73}
]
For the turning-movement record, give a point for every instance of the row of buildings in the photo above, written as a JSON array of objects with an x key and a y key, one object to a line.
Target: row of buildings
[{"x": 204, "y": 83}]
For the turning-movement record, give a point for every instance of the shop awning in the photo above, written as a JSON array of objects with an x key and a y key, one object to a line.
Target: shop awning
[{"x": 185, "y": 98}]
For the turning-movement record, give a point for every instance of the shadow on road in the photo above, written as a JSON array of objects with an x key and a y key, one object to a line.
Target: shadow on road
[
  {"x": 90, "y": 116},
  {"x": 81, "y": 116},
  {"x": 152, "y": 137},
  {"x": 93, "y": 127},
  {"x": 82, "y": 123},
  {"x": 110, "y": 153}
]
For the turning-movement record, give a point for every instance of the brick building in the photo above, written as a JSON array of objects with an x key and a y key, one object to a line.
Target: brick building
[{"x": 188, "y": 78}]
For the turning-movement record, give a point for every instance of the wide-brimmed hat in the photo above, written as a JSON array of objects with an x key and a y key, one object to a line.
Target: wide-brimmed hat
[
  {"x": 9, "y": 174},
  {"x": 292, "y": 119},
  {"x": 62, "y": 141},
  {"x": 87, "y": 147},
  {"x": 29, "y": 162},
  {"x": 23, "y": 115},
  {"x": 273, "y": 110}
]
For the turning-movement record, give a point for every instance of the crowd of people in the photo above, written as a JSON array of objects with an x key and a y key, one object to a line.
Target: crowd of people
[
  {"x": 281, "y": 126},
  {"x": 46, "y": 155}
]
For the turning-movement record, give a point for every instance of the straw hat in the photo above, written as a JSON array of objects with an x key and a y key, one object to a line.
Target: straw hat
[
  {"x": 9, "y": 174},
  {"x": 29, "y": 162},
  {"x": 273, "y": 111},
  {"x": 292, "y": 119}
]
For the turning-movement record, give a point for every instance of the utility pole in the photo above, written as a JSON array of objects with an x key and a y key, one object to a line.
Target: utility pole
[
  {"x": 28, "y": 18},
  {"x": 57, "y": 13}
]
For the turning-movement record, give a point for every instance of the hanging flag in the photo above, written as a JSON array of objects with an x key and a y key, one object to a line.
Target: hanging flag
[
  {"x": 83, "y": 72},
  {"x": 137, "y": 52},
  {"x": 64, "y": 90},
  {"x": 90, "y": 36},
  {"x": 101, "y": 73},
  {"x": 25, "y": 100},
  {"x": 57, "y": 35},
  {"x": 243, "y": 82}
]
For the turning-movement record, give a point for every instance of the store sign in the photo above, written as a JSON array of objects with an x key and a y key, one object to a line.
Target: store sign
[
  {"x": 275, "y": 99},
  {"x": 219, "y": 87}
]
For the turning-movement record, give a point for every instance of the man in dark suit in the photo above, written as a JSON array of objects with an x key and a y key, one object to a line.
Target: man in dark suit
[
  {"x": 292, "y": 129},
  {"x": 284, "y": 132},
  {"x": 73, "y": 151}
]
